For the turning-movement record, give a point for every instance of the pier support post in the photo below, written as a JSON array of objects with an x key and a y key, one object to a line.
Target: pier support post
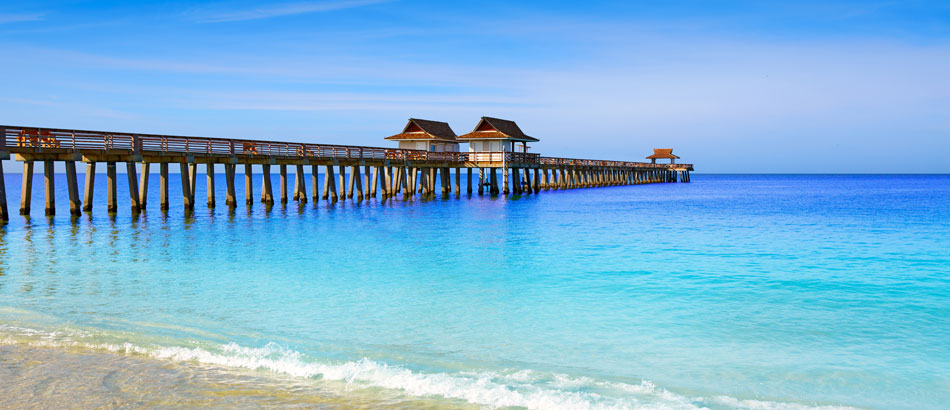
[
  {"x": 267, "y": 193},
  {"x": 111, "y": 203},
  {"x": 355, "y": 175},
  {"x": 481, "y": 181},
  {"x": 193, "y": 180},
  {"x": 50, "y": 184},
  {"x": 163, "y": 186},
  {"x": 209, "y": 182},
  {"x": 186, "y": 192},
  {"x": 26, "y": 188},
  {"x": 342, "y": 186},
  {"x": 469, "y": 180},
  {"x": 367, "y": 182},
  {"x": 405, "y": 181},
  {"x": 315, "y": 182},
  {"x": 374, "y": 183},
  {"x": 458, "y": 181},
  {"x": 504, "y": 177},
  {"x": 133, "y": 187},
  {"x": 143, "y": 185},
  {"x": 88, "y": 188},
  {"x": 351, "y": 184},
  {"x": 493, "y": 183},
  {"x": 229, "y": 196},
  {"x": 517, "y": 189},
  {"x": 537, "y": 183},
  {"x": 4, "y": 214},
  {"x": 297, "y": 183},
  {"x": 283, "y": 185},
  {"x": 302, "y": 184},
  {"x": 329, "y": 185},
  {"x": 446, "y": 182},
  {"x": 248, "y": 185}
]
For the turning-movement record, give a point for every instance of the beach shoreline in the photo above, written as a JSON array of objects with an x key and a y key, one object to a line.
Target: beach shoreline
[{"x": 44, "y": 377}]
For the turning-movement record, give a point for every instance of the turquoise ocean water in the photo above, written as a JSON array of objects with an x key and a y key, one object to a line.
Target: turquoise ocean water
[{"x": 733, "y": 291}]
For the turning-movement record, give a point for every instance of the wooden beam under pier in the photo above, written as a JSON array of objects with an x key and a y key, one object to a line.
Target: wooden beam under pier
[
  {"x": 186, "y": 192},
  {"x": 143, "y": 186},
  {"x": 111, "y": 203},
  {"x": 133, "y": 187},
  {"x": 209, "y": 184},
  {"x": 26, "y": 190},
  {"x": 4, "y": 213},
  {"x": 163, "y": 186},
  {"x": 88, "y": 187},
  {"x": 50, "y": 185}
]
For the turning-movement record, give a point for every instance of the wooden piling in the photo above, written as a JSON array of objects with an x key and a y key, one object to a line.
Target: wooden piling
[
  {"x": 504, "y": 177},
  {"x": 50, "y": 185},
  {"x": 301, "y": 184},
  {"x": 193, "y": 180},
  {"x": 163, "y": 186},
  {"x": 209, "y": 183},
  {"x": 367, "y": 182},
  {"x": 315, "y": 182},
  {"x": 283, "y": 185},
  {"x": 143, "y": 185},
  {"x": 26, "y": 192},
  {"x": 267, "y": 192},
  {"x": 458, "y": 181},
  {"x": 133, "y": 187},
  {"x": 537, "y": 184},
  {"x": 248, "y": 185},
  {"x": 468, "y": 179},
  {"x": 230, "y": 199},
  {"x": 4, "y": 214},
  {"x": 351, "y": 184},
  {"x": 375, "y": 182},
  {"x": 330, "y": 185},
  {"x": 111, "y": 203},
  {"x": 481, "y": 181},
  {"x": 342, "y": 186},
  {"x": 493, "y": 190},
  {"x": 446, "y": 182},
  {"x": 186, "y": 193},
  {"x": 88, "y": 187},
  {"x": 404, "y": 177},
  {"x": 355, "y": 175}
]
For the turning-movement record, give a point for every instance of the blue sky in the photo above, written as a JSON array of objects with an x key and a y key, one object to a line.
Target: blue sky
[{"x": 734, "y": 86}]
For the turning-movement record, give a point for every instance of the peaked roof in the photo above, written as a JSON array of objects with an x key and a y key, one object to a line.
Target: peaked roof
[
  {"x": 496, "y": 128},
  {"x": 417, "y": 129},
  {"x": 663, "y": 153}
]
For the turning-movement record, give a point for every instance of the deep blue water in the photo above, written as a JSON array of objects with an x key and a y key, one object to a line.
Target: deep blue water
[{"x": 733, "y": 291}]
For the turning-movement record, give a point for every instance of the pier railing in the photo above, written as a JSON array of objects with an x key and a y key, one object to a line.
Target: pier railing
[{"x": 66, "y": 140}]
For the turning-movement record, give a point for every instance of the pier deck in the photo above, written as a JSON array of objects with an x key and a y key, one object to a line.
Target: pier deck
[{"x": 394, "y": 171}]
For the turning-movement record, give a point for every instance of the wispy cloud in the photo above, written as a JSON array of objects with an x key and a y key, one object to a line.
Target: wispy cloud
[
  {"x": 18, "y": 18},
  {"x": 220, "y": 15}
]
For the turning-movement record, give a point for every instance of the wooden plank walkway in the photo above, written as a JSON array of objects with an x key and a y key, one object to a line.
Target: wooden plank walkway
[{"x": 394, "y": 171}]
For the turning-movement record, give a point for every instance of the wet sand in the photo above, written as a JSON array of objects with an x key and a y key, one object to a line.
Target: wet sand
[{"x": 45, "y": 378}]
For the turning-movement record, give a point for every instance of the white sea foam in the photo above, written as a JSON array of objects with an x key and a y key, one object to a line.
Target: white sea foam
[{"x": 521, "y": 388}]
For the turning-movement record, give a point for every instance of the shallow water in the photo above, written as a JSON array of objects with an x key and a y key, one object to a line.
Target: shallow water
[{"x": 734, "y": 291}]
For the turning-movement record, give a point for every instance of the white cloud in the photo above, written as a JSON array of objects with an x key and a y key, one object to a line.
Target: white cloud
[
  {"x": 219, "y": 14},
  {"x": 18, "y": 18}
]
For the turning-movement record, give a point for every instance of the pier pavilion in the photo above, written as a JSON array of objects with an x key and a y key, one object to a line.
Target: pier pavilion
[
  {"x": 393, "y": 171},
  {"x": 426, "y": 135},
  {"x": 663, "y": 153},
  {"x": 497, "y": 143}
]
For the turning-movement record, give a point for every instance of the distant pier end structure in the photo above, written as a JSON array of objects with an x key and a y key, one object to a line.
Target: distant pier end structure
[{"x": 420, "y": 166}]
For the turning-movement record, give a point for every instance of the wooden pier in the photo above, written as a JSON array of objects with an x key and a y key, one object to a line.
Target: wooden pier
[{"x": 364, "y": 172}]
